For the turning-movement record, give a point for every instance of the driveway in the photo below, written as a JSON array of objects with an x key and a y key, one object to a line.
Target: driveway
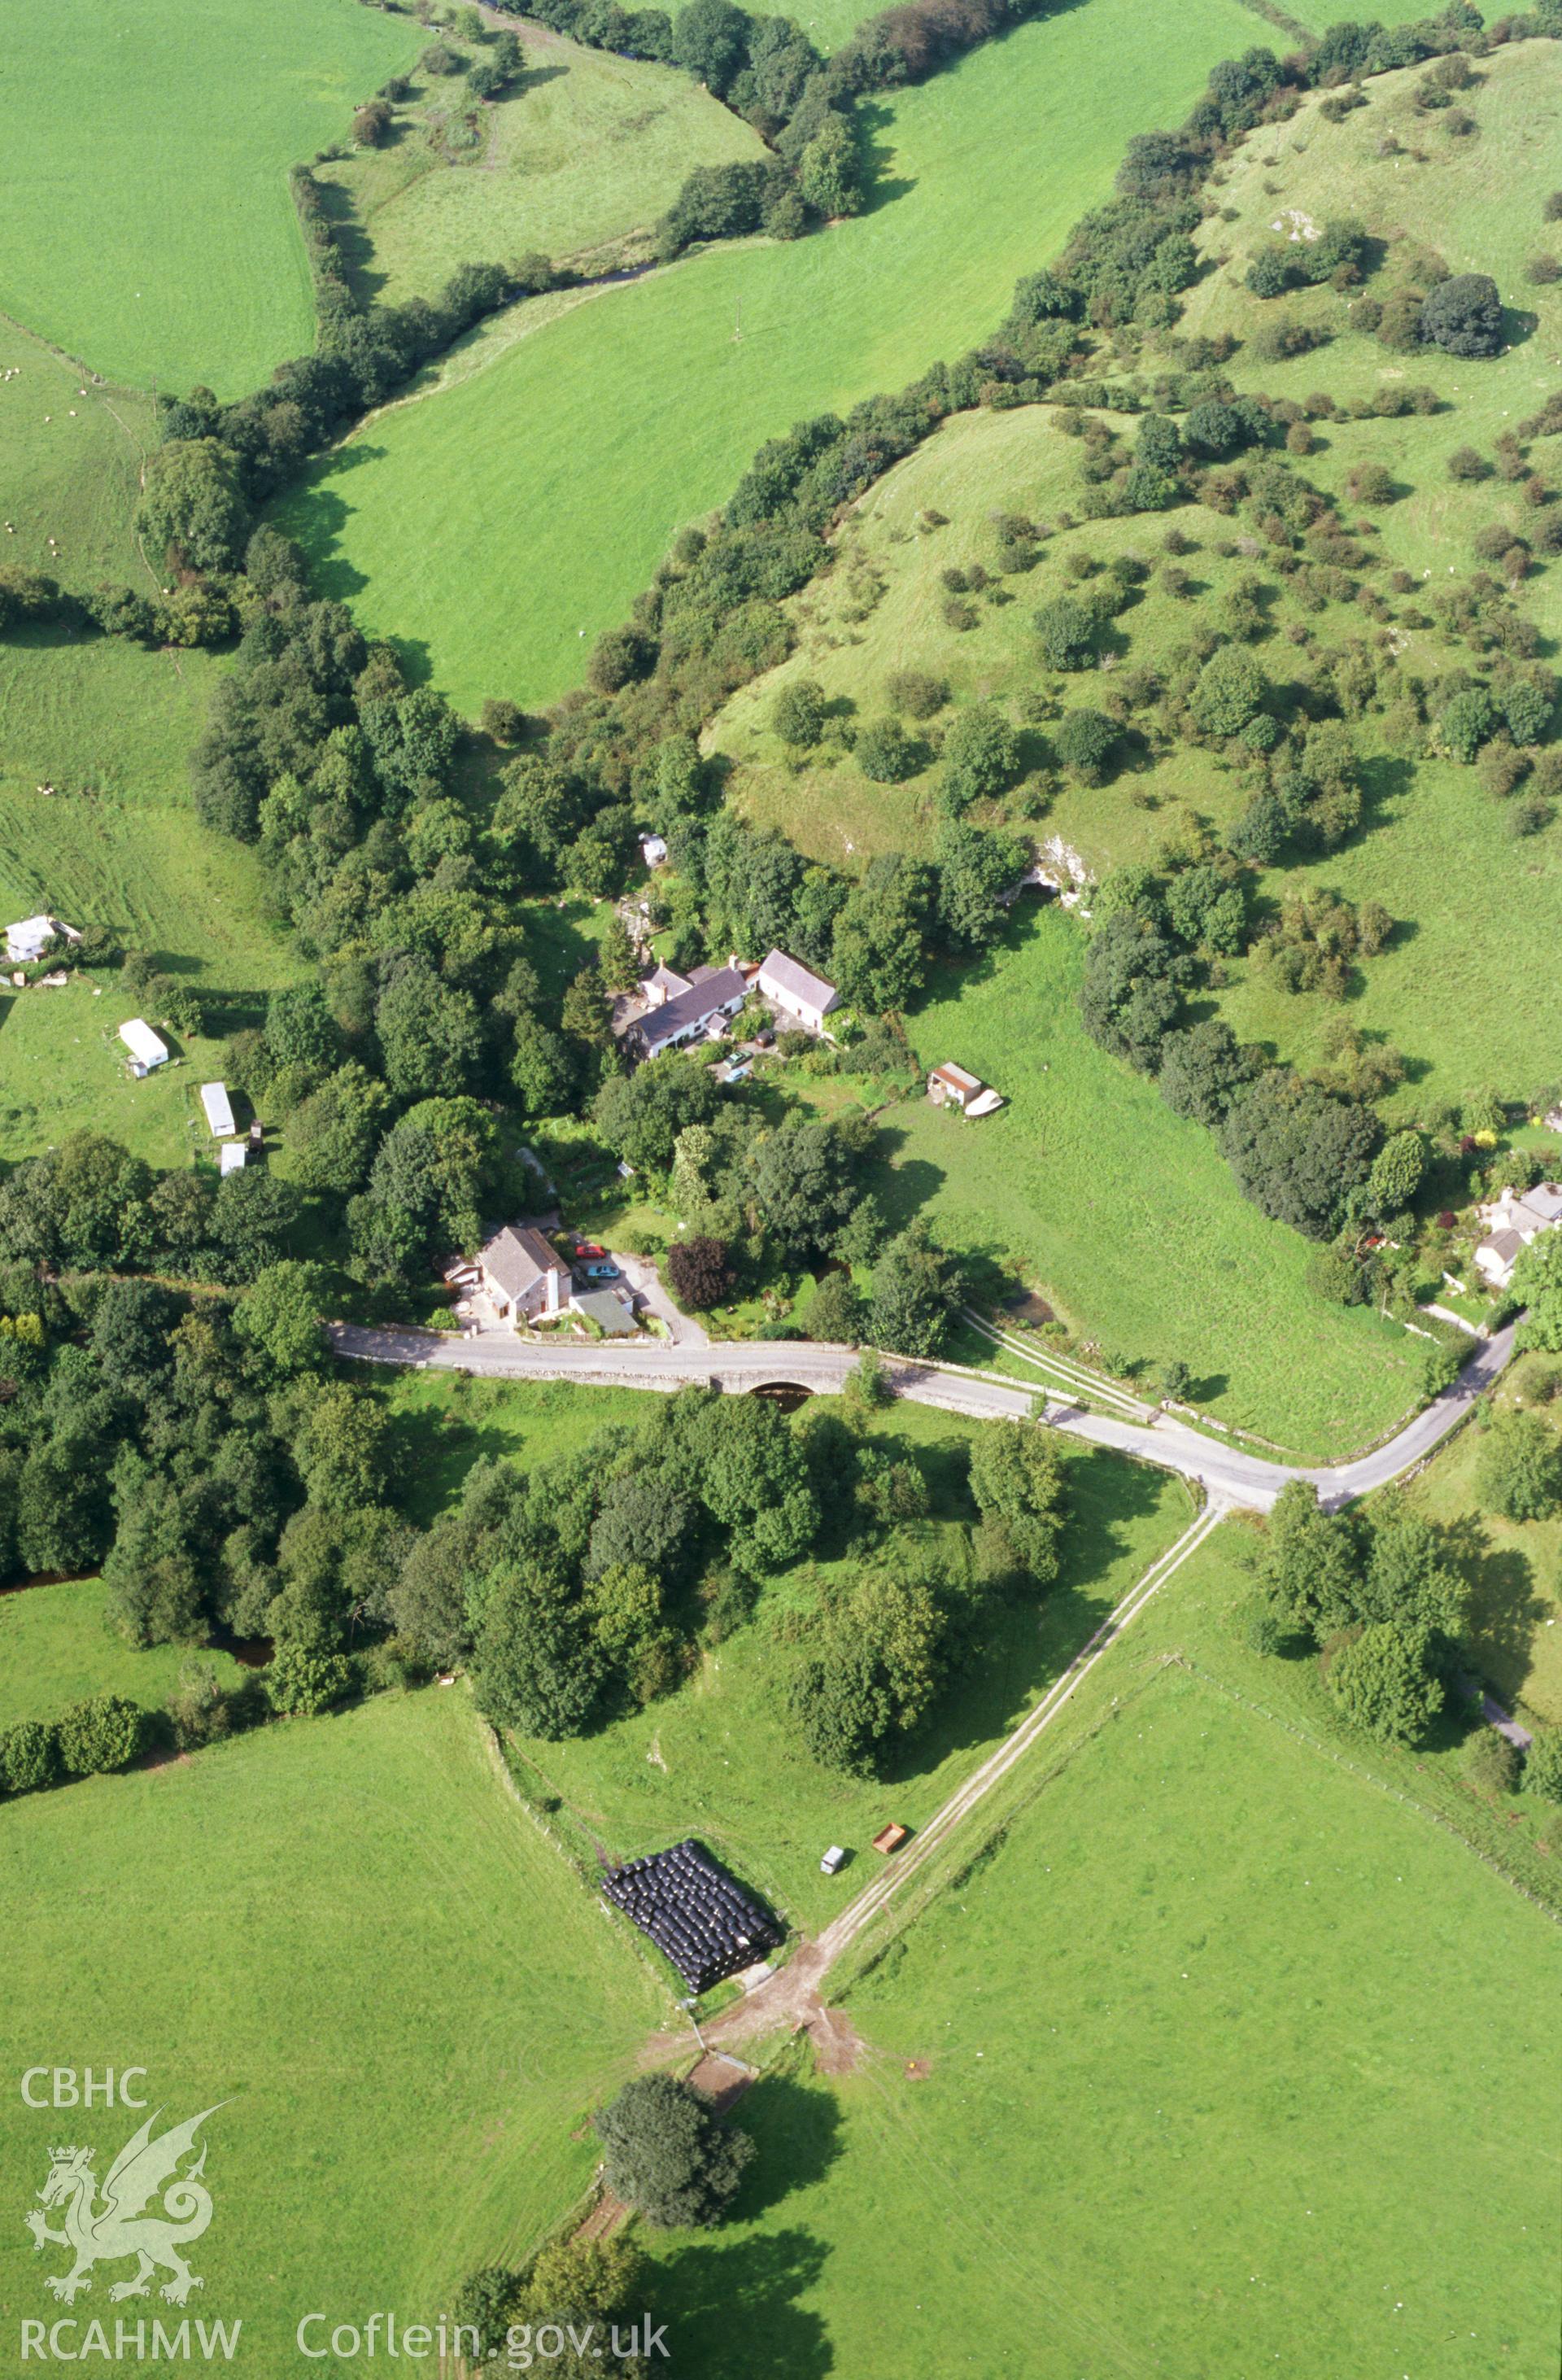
[
  {"x": 738, "y": 1365},
  {"x": 641, "y": 1274}
]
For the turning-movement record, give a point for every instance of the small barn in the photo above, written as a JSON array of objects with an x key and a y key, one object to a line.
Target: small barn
[
  {"x": 951, "y": 1087},
  {"x": 796, "y": 990},
  {"x": 695, "y": 1913}
]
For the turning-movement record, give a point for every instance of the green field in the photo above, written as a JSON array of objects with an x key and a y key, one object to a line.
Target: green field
[
  {"x": 1163, "y": 2083},
  {"x": 587, "y": 149},
  {"x": 600, "y": 432},
  {"x": 110, "y": 727},
  {"x": 148, "y": 228},
  {"x": 346, "y": 1933},
  {"x": 54, "y": 1649},
  {"x": 70, "y": 458},
  {"x": 446, "y": 1421},
  {"x": 712, "y": 1759},
  {"x": 1125, "y": 1216}
]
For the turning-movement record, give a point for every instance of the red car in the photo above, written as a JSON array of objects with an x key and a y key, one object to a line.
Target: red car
[{"x": 588, "y": 1248}]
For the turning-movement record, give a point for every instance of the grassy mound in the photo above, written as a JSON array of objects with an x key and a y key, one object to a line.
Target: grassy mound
[
  {"x": 585, "y": 150},
  {"x": 599, "y": 432},
  {"x": 1160, "y": 2080},
  {"x": 148, "y": 227},
  {"x": 346, "y": 1931}
]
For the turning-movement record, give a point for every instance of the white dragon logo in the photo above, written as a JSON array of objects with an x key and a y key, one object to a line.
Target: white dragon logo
[{"x": 143, "y": 2169}]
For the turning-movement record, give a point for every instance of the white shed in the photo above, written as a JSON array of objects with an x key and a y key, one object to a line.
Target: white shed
[
  {"x": 146, "y": 1050},
  {"x": 788, "y": 984},
  {"x": 219, "y": 1109},
  {"x": 231, "y": 1156},
  {"x": 31, "y": 936}
]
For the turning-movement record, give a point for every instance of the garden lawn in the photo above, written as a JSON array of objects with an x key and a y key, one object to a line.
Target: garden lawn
[
  {"x": 720, "y": 1760},
  {"x": 1163, "y": 2085},
  {"x": 345, "y": 1936},
  {"x": 584, "y": 149},
  {"x": 148, "y": 227},
  {"x": 54, "y": 1647},
  {"x": 498, "y": 524},
  {"x": 1125, "y": 1216}
]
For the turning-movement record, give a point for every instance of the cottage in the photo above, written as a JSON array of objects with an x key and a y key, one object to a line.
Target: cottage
[
  {"x": 662, "y": 984},
  {"x": 523, "y": 1276},
  {"x": 788, "y": 985},
  {"x": 1518, "y": 1217},
  {"x": 31, "y": 936},
  {"x": 146, "y": 1048},
  {"x": 951, "y": 1087},
  {"x": 712, "y": 996},
  {"x": 219, "y": 1111}
]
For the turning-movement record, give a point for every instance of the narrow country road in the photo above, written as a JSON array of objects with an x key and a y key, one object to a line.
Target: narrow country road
[{"x": 1221, "y": 1469}]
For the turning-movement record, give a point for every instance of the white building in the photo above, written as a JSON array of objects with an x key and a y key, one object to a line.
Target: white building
[
  {"x": 30, "y": 938},
  {"x": 230, "y": 1157},
  {"x": 146, "y": 1050},
  {"x": 523, "y": 1276},
  {"x": 219, "y": 1109},
  {"x": 1518, "y": 1217},
  {"x": 709, "y": 997},
  {"x": 788, "y": 985}
]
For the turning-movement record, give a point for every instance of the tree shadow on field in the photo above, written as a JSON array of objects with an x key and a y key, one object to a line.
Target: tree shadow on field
[
  {"x": 882, "y": 188},
  {"x": 700, "y": 2288},
  {"x": 797, "y": 2132},
  {"x": 903, "y": 1189}
]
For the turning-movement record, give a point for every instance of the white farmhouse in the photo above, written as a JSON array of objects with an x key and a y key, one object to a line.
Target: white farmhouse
[
  {"x": 1518, "y": 1217},
  {"x": 788, "y": 985},
  {"x": 523, "y": 1275}
]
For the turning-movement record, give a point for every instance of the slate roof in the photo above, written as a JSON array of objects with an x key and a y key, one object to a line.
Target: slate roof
[
  {"x": 723, "y": 986},
  {"x": 800, "y": 982},
  {"x": 516, "y": 1258}
]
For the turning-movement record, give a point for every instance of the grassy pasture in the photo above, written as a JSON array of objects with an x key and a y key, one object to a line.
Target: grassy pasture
[
  {"x": 1163, "y": 2078},
  {"x": 109, "y": 726},
  {"x": 718, "y": 1759},
  {"x": 1124, "y": 1215},
  {"x": 148, "y": 227},
  {"x": 350, "y": 1936},
  {"x": 54, "y": 1647},
  {"x": 587, "y": 149},
  {"x": 495, "y": 525},
  {"x": 70, "y": 458}
]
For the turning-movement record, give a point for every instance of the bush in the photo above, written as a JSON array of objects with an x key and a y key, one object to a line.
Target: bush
[
  {"x": 798, "y": 714},
  {"x": 99, "y": 1735},
  {"x": 981, "y": 756},
  {"x": 1520, "y": 1470},
  {"x": 300, "y": 1680},
  {"x": 1463, "y": 315},
  {"x": 1231, "y": 692},
  {"x": 915, "y": 692},
  {"x": 1084, "y": 740},
  {"x": 1491, "y": 1763},
  {"x": 1067, "y": 633},
  {"x": 1543, "y": 1764},
  {"x": 29, "y": 1755},
  {"x": 885, "y": 753}
]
